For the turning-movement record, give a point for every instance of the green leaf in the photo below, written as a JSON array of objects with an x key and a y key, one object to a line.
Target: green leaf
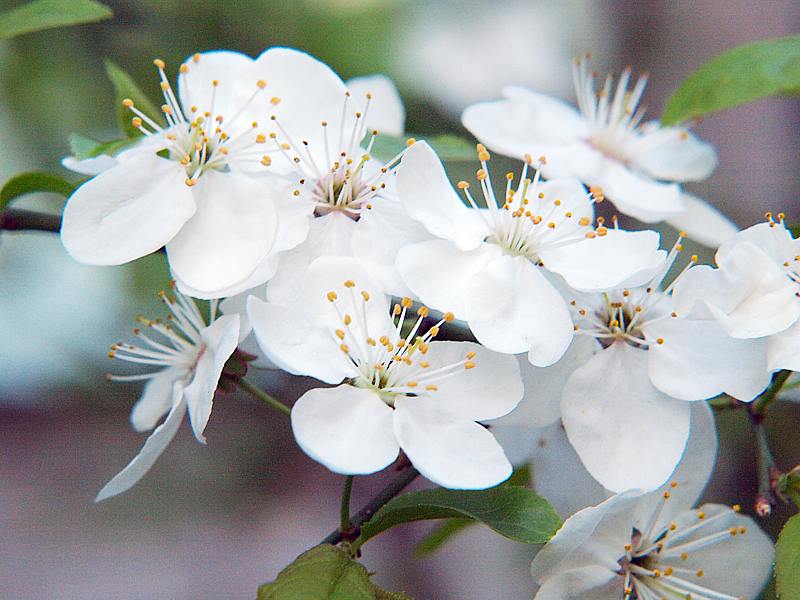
[
  {"x": 381, "y": 594},
  {"x": 323, "y": 573},
  {"x": 514, "y": 512},
  {"x": 448, "y": 147},
  {"x": 29, "y": 183},
  {"x": 83, "y": 147},
  {"x": 46, "y": 14},
  {"x": 787, "y": 560},
  {"x": 738, "y": 76},
  {"x": 125, "y": 87}
]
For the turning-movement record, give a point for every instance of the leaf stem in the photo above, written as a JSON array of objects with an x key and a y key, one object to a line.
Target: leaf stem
[
  {"x": 763, "y": 402},
  {"x": 264, "y": 397},
  {"x": 17, "y": 219},
  {"x": 345, "y": 511},
  {"x": 408, "y": 475},
  {"x": 766, "y": 467}
]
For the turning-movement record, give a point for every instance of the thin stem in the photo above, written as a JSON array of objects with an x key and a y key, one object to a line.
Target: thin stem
[
  {"x": 17, "y": 219},
  {"x": 408, "y": 475},
  {"x": 345, "y": 512},
  {"x": 766, "y": 467},
  {"x": 724, "y": 402},
  {"x": 264, "y": 397},
  {"x": 763, "y": 402}
]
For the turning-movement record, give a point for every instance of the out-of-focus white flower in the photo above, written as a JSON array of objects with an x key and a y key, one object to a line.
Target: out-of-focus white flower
[
  {"x": 754, "y": 292},
  {"x": 191, "y": 356},
  {"x": 402, "y": 390},
  {"x": 190, "y": 186},
  {"x": 556, "y": 469},
  {"x": 625, "y": 388},
  {"x": 89, "y": 166},
  {"x": 603, "y": 143},
  {"x": 653, "y": 546},
  {"x": 486, "y": 264}
]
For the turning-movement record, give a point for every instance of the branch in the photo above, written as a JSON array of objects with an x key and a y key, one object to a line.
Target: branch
[
  {"x": 264, "y": 397},
  {"x": 763, "y": 402},
  {"x": 17, "y": 219},
  {"x": 408, "y": 475},
  {"x": 767, "y": 471}
]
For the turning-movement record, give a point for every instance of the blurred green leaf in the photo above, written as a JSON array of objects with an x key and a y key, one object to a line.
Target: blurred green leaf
[
  {"x": 46, "y": 14},
  {"x": 323, "y": 573},
  {"x": 29, "y": 183},
  {"x": 738, "y": 76},
  {"x": 514, "y": 512},
  {"x": 381, "y": 594},
  {"x": 787, "y": 560},
  {"x": 83, "y": 147},
  {"x": 125, "y": 87},
  {"x": 448, "y": 147}
]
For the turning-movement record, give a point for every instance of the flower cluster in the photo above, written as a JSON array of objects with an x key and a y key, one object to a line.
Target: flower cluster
[{"x": 261, "y": 184}]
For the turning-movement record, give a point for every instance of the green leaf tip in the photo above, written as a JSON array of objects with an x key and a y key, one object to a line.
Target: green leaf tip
[{"x": 47, "y": 14}]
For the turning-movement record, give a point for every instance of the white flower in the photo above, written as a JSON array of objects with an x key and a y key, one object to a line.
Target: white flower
[
  {"x": 190, "y": 186},
  {"x": 402, "y": 389},
  {"x": 653, "y": 546},
  {"x": 638, "y": 166},
  {"x": 486, "y": 266},
  {"x": 755, "y": 292},
  {"x": 191, "y": 356},
  {"x": 625, "y": 389}
]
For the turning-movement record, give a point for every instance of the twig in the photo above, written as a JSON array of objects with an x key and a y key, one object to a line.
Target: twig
[
  {"x": 17, "y": 219},
  {"x": 408, "y": 475},
  {"x": 763, "y": 402},
  {"x": 264, "y": 397},
  {"x": 345, "y": 510},
  {"x": 767, "y": 470}
]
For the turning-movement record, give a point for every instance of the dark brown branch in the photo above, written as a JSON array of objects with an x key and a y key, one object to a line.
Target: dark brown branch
[{"x": 17, "y": 219}]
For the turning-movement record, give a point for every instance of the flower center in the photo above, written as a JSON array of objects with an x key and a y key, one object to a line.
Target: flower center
[
  {"x": 392, "y": 361},
  {"x": 202, "y": 140}
]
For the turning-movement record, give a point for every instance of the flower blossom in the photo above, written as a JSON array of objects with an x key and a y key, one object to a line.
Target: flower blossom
[
  {"x": 486, "y": 265},
  {"x": 624, "y": 388},
  {"x": 402, "y": 389},
  {"x": 191, "y": 356},
  {"x": 605, "y": 144},
  {"x": 192, "y": 185},
  {"x": 754, "y": 292},
  {"x": 653, "y": 546}
]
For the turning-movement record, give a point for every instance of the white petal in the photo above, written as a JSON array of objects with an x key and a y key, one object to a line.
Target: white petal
[
  {"x": 627, "y": 433},
  {"x": 438, "y": 273},
  {"x": 148, "y": 455},
  {"x": 783, "y": 350},
  {"x": 386, "y": 112},
  {"x": 329, "y": 235},
  {"x": 294, "y": 344},
  {"x": 156, "y": 399},
  {"x": 428, "y": 197},
  {"x": 264, "y": 271},
  {"x": 585, "y": 583},
  {"x": 594, "y": 536},
  {"x": 377, "y": 238},
  {"x": 541, "y": 404},
  {"x": 128, "y": 211},
  {"x": 616, "y": 260},
  {"x": 772, "y": 239},
  {"x": 490, "y": 390},
  {"x": 236, "y": 75},
  {"x": 229, "y": 235},
  {"x": 89, "y": 166},
  {"x": 220, "y": 339},
  {"x": 347, "y": 429},
  {"x": 672, "y": 154},
  {"x": 572, "y": 199},
  {"x": 456, "y": 454},
  {"x": 699, "y": 360},
  {"x": 638, "y": 196},
  {"x": 702, "y": 222},
  {"x": 511, "y": 307},
  {"x": 524, "y": 123}
]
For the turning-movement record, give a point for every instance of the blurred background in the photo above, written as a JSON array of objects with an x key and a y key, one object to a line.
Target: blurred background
[{"x": 213, "y": 522}]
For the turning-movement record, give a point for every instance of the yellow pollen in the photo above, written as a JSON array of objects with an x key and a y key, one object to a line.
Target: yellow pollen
[
  {"x": 424, "y": 364},
  {"x": 331, "y": 296},
  {"x": 684, "y": 556},
  {"x": 431, "y": 388},
  {"x": 732, "y": 531},
  {"x": 673, "y": 484},
  {"x": 434, "y": 331},
  {"x": 700, "y": 572},
  {"x": 463, "y": 185},
  {"x": 673, "y": 526},
  {"x": 196, "y": 57},
  {"x": 411, "y": 384},
  {"x": 656, "y": 573},
  {"x": 365, "y": 295},
  {"x": 189, "y": 181},
  {"x": 159, "y": 63},
  {"x": 164, "y": 86},
  {"x": 184, "y": 69},
  {"x": 347, "y": 319},
  {"x": 448, "y": 317},
  {"x": 736, "y": 507},
  {"x": 261, "y": 84},
  {"x": 266, "y": 161},
  {"x": 396, "y": 310},
  {"x": 136, "y": 122},
  {"x": 584, "y": 221},
  {"x": 601, "y": 231},
  {"x": 345, "y": 348},
  {"x": 422, "y": 311},
  {"x": 340, "y": 334},
  {"x": 423, "y": 348},
  {"x": 470, "y": 354},
  {"x": 349, "y": 283},
  {"x": 410, "y": 142},
  {"x": 406, "y": 302},
  {"x": 666, "y": 495},
  {"x": 127, "y": 103},
  {"x": 660, "y": 341},
  {"x": 628, "y": 547},
  {"x": 481, "y": 174},
  {"x": 215, "y": 82},
  {"x": 469, "y": 365},
  {"x": 701, "y": 515},
  {"x": 742, "y": 530},
  {"x": 274, "y": 101},
  {"x": 261, "y": 138},
  {"x": 402, "y": 343},
  {"x": 668, "y": 571},
  {"x": 483, "y": 153},
  {"x": 591, "y": 234}
]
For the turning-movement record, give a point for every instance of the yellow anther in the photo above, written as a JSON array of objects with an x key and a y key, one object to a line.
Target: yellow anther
[
  {"x": 347, "y": 319},
  {"x": 424, "y": 364},
  {"x": 274, "y": 101},
  {"x": 433, "y": 331},
  {"x": 159, "y": 63},
  {"x": 656, "y": 573},
  {"x": 448, "y": 317},
  {"x": 591, "y": 234},
  {"x": 700, "y": 572},
  {"x": 666, "y": 495},
  {"x": 471, "y": 354},
  {"x": 266, "y": 161},
  {"x": 584, "y": 221},
  {"x": 423, "y": 311},
  {"x": 411, "y": 384},
  {"x": 331, "y": 296},
  {"x": 659, "y": 341},
  {"x": 628, "y": 547},
  {"x": 127, "y": 103},
  {"x": 469, "y": 365},
  {"x": 673, "y": 526},
  {"x": 694, "y": 258},
  {"x": 166, "y": 109},
  {"x": 215, "y": 82},
  {"x": 184, "y": 68},
  {"x": 463, "y": 185},
  {"x": 742, "y": 530},
  {"x": 431, "y": 388},
  {"x": 673, "y": 484},
  {"x": 701, "y": 515},
  {"x": 684, "y": 556},
  {"x": 668, "y": 571},
  {"x": 340, "y": 334},
  {"x": 597, "y": 193},
  {"x": 481, "y": 174},
  {"x": 423, "y": 348},
  {"x": 136, "y": 122},
  {"x": 682, "y": 234},
  {"x": 406, "y": 302},
  {"x": 196, "y": 57},
  {"x": 164, "y": 86},
  {"x": 732, "y": 531},
  {"x": 190, "y": 181},
  {"x": 601, "y": 231},
  {"x": 365, "y": 295},
  {"x": 261, "y": 84},
  {"x": 261, "y": 138},
  {"x": 483, "y": 153},
  {"x": 349, "y": 283},
  {"x": 410, "y": 142},
  {"x": 737, "y": 508},
  {"x": 396, "y": 310},
  {"x": 551, "y": 225},
  {"x": 345, "y": 348}
]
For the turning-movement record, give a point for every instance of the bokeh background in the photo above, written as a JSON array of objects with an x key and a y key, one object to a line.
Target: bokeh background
[{"x": 212, "y": 522}]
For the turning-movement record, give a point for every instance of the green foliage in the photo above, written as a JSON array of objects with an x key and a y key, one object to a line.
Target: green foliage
[
  {"x": 738, "y": 76},
  {"x": 83, "y": 147},
  {"x": 448, "y": 147},
  {"x": 30, "y": 183},
  {"x": 787, "y": 560},
  {"x": 788, "y": 486},
  {"x": 46, "y": 14},
  {"x": 514, "y": 512},
  {"x": 125, "y": 87},
  {"x": 325, "y": 573}
]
